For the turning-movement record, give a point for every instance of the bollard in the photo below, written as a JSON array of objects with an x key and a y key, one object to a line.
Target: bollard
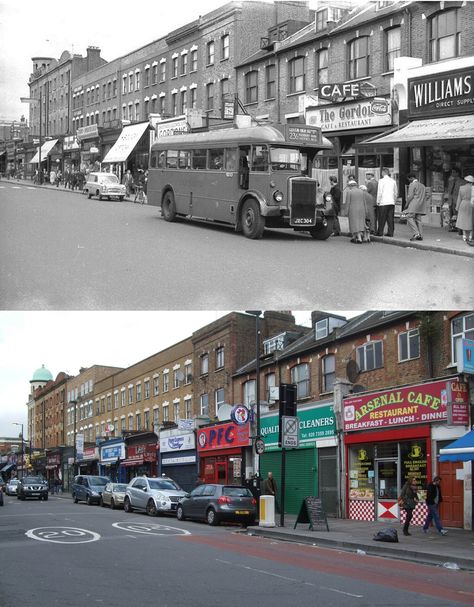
[{"x": 267, "y": 511}]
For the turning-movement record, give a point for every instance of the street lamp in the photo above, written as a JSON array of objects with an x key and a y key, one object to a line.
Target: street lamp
[
  {"x": 74, "y": 404},
  {"x": 34, "y": 101},
  {"x": 257, "y": 314},
  {"x": 22, "y": 458}
]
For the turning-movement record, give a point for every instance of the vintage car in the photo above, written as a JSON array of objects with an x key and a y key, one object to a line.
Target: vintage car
[{"x": 104, "y": 185}]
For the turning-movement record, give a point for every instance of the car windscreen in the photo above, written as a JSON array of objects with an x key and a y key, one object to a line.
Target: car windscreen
[
  {"x": 236, "y": 491},
  {"x": 109, "y": 179},
  {"x": 119, "y": 488},
  {"x": 164, "y": 485},
  {"x": 14, "y": 481},
  {"x": 33, "y": 479},
  {"x": 98, "y": 481}
]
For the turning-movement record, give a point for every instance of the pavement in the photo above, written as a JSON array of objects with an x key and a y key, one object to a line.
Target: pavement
[
  {"x": 453, "y": 551},
  {"x": 435, "y": 239}
]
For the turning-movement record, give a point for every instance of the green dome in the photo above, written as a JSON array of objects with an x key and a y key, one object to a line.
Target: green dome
[{"x": 42, "y": 374}]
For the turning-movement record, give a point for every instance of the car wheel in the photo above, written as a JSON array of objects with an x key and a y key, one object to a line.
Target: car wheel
[
  {"x": 74, "y": 498},
  {"x": 112, "y": 504},
  {"x": 180, "y": 513},
  {"x": 89, "y": 195},
  {"x": 89, "y": 500},
  {"x": 127, "y": 506},
  {"x": 121, "y": 198},
  {"x": 253, "y": 223},
  {"x": 102, "y": 502},
  {"x": 45, "y": 497},
  {"x": 168, "y": 207},
  {"x": 323, "y": 232},
  {"x": 211, "y": 517},
  {"x": 151, "y": 508}
]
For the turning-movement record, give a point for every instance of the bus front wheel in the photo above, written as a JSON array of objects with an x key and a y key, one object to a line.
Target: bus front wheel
[
  {"x": 168, "y": 207},
  {"x": 322, "y": 232},
  {"x": 253, "y": 223}
]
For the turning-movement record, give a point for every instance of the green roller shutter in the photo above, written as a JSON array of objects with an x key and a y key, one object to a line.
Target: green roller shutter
[{"x": 301, "y": 475}]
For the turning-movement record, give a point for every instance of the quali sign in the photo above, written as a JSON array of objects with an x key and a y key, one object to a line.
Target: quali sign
[
  {"x": 223, "y": 436},
  {"x": 446, "y": 94},
  {"x": 424, "y": 403}
]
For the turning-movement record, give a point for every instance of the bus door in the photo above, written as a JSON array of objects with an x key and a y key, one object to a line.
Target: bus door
[{"x": 244, "y": 169}]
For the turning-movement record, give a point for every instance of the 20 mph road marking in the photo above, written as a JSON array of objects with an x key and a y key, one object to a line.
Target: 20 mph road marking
[{"x": 62, "y": 535}]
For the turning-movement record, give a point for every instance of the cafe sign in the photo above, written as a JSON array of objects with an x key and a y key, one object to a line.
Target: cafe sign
[
  {"x": 370, "y": 113},
  {"x": 446, "y": 94},
  {"x": 423, "y": 403}
]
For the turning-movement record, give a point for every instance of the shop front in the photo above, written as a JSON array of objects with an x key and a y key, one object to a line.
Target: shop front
[
  {"x": 38, "y": 462},
  {"x": 141, "y": 457},
  {"x": 50, "y": 147},
  {"x": 390, "y": 437},
  {"x": 90, "y": 139},
  {"x": 223, "y": 449},
  {"x": 71, "y": 153},
  {"x": 311, "y": 469},
  {"x": 179, "y": 457},
  {"x": 53, "y": 468},
  {"x": 89, "y": 462},
  {"x": 131, "y": 150},
  {"x": 111, "y": 454},
  {"x": 345, "y": 124}
]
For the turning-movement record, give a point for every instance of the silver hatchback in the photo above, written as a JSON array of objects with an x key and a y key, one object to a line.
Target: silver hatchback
[{"x": 113, "y": 495}]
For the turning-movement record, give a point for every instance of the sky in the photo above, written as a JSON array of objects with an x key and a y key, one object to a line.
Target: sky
[{"x": 60, "y": 341}]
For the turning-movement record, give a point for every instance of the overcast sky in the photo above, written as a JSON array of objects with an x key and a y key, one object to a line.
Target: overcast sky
[{"x": 61, "y": 341}]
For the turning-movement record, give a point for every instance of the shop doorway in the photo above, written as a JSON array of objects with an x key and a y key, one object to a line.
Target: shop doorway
[
  {"x": 386, "y": 488},
  {"x": 452, "y": 506}
]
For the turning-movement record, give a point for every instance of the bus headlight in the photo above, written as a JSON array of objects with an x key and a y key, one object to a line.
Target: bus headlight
[{"x": 278, "y": 196}]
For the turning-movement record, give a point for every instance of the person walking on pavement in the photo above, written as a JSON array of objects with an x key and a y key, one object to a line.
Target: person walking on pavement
[
  {"x": 335, "y": 192},
  {"x": 408, "y": 500},
  {"x": 370, "y": 212},
  {"x": 372, "y": 187},
  {"x": 454, "y": 183},
  {"x": 356, "y": 209},
  {"x": 464, "y": 208},
  {"x": 269, "y": 487},
  {"x": 434, "y": 498},
  {"x": 128, "y": 183},
  {"x": 416, "y": 208},
  {"x": 386, "y": 198}
]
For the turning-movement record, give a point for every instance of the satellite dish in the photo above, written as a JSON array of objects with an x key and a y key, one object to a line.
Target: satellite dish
[
  {"x": 223, "y": 413},
  {"x": 358, "y": 388},
  {"x": 352, "y": 370},
  {"x": 180, "y": 375}
]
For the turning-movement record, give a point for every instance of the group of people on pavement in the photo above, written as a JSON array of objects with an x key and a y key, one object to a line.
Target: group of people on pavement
[
  {"x": 409, "y": 499},
  {"x": 135, "y": 184}
]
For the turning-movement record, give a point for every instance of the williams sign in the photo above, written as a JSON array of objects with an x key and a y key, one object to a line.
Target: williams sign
[{"x": 445, "y": 94}]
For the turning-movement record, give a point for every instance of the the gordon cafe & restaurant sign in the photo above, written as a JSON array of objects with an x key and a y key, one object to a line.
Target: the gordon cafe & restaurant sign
[
  {"x": 367, "y": 113},
  {"x": 422, "y": 403}
]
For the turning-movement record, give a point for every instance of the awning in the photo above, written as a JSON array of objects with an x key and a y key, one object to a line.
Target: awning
[
  {"x": 123, "y": 147},
  {"x": 7, "y": 468},
  {"x": 45, "y": 151},
  {"x": 461, "y": 450},
  {"x": 427, "y": 132},
  {"x": 2, "y": 152},
  {"x": 132, "y": 462}
]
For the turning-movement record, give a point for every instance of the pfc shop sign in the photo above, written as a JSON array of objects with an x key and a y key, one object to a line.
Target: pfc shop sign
[
  {"x": 223, "y": 436},
  {"x": 423, "y": 403}
]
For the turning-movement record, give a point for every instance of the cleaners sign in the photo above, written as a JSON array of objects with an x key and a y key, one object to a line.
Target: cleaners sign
[{"x": 423, "y": 403}]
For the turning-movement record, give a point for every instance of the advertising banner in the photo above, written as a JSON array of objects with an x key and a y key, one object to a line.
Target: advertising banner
[
  {"x": 223, "y": 436},
  {"x": 376, "y": 112},
  {"x": 417, "y": 404},
  {"x": 181, "y": 442},
  {"x": 112, "y": 453}
]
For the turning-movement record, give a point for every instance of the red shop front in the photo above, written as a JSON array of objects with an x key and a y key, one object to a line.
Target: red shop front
[
  {"x": 388, "y": 440},
  {"x": 222, "y": 451},
  {"x": 141, "y": 459}
]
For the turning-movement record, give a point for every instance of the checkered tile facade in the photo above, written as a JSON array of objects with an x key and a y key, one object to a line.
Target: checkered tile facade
[{"x": 364, "y": 510}]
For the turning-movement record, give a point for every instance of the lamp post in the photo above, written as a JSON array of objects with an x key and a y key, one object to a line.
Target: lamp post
[
  {"x": 22, "y": 458},
  {"x": 257, "y": 314},
  {"x": 34, "y": 101},
  {"x": 74, "y": 403}
]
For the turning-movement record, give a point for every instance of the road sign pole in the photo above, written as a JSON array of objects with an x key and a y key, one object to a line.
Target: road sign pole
[{"x": 283, "y": 484}]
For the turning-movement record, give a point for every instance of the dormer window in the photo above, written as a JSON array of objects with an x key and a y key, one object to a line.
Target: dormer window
[
  {"x": 273, "y": 344},
  {"x": 322, "y": 328}
]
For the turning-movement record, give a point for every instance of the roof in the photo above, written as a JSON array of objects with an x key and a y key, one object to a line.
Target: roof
[{"x": 42, "y": 374}]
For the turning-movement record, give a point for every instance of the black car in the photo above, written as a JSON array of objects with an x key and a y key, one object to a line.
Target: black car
[
  {"x": 32, "y": 486},
  {"x": 216, "y": 503}
]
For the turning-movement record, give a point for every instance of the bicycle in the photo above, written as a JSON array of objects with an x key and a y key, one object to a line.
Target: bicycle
[{"x": 139, "y": 195}]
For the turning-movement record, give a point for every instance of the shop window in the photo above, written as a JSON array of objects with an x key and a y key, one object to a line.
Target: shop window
[
  {"x": 409, "y": 345},
  {"x": 445, "y": 39},
  {"x": 204, "y": 364},
  {"x": 358, "y": 58},
  {"x": 462, "y": 327},
  {"x": 249, "y": 392},
  {"x": 296, "y": 80},
  {"x": 414, "y": 464},
  {"x": 251, "y": 87},
  {"x": 300, "y": 377},
  {"x": 370, "y": 356},
  {"x": 322, "y": 67},
  {"x": 361, "y": 472},
  {"x": 270, "y": 82},
  {"x": 329, "y": 372},
  {"x": 392, "y": 43}
]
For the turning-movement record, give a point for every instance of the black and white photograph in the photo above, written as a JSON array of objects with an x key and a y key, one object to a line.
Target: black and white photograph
[{"x": 237, "y": 303}]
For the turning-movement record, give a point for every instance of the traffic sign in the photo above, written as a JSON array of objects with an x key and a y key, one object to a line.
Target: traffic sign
[
  {"x": 259, "y": 446},
  {"x": 290, "y": 432}
]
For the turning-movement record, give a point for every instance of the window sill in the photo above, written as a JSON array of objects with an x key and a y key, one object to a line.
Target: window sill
[
  {"x": 296, "y": 93},
  {"x": 387, "y": 73},
  {"x": 361, "y": 79},
  {"x": 270, "y": 99},
  {"x": 250, "y": 103},
  {"x": 326, "y": 393},
  {"x": 225, "y": 59},
  {"x": 407, "y": 360}
]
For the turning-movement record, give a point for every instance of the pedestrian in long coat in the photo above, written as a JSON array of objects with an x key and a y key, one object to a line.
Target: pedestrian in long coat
[
  {"x": 464, "y": 207},
  {"x": 416, "y": 208},
  {"x": 356, "y": 211},
  {"x": 369, "y": 208}
]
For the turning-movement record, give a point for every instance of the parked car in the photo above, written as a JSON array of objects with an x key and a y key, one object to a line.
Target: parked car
[
  {"x": 12, "y": 486},
  {"x": 32, "y": 486},
  {"x": 104, "y": 185},
  {"x": 153, "y": 495},
  {"x": 113, "y": 495},
  {"x": 88, "y": 488},
  {"x": 216, "y": 503}
]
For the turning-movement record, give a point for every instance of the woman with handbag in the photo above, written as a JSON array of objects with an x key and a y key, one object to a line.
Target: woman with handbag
[{"x": 408, "y": 500}]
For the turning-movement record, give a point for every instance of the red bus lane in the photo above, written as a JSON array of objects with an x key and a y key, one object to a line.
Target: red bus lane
[{"x": 409, "y": 576}]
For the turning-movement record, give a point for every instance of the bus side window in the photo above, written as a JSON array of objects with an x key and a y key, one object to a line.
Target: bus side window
[
  {"x": 162, "y": 160},
  {"x": 184, "y": 160},
  {"x": 230, "y": 160},
  {"x": 216, "y": 159},
  {"x": 244, "y": 167},
  {"x": 154, "y": 160},
  {"x": 172, "y": 159},
  {"x": 199, "y": 159},
  {"x": 260, "y": 158}
]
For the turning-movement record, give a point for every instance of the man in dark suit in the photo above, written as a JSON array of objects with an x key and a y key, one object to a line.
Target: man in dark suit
[{"x": 372, "y": 188}]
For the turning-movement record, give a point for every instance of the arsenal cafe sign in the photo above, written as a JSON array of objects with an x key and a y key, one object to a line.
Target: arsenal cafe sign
[
  {"x": 376, "y": 112},
  {"x": 418, "y": 404},
  {"x": 223, "y": 436}
]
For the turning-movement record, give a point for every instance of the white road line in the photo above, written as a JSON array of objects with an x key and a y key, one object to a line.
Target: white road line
[
  {"x": 30, "y": 188},
  {"x": 15, "y": 187},
  {"x": 358, "y": 596}
]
